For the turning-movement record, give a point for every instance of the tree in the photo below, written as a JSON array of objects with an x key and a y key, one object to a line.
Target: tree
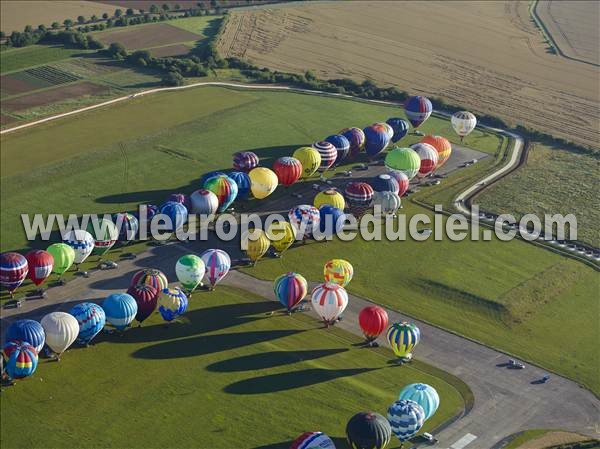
[
  {"x": 310, "y": 75},
  {"x": 177, "y": 6},
  {"x": 28, "y": 29},
  {"x": 2, "y": 35},
  {"x": 165, "y": 7},
  {"x": 94, "y": 18},
  {"x": 42, "y": 28},
  {"x": 116, "y": 50},
  {"x": 154, "y": 9},
  {"x": 118, "y": 12},
  {"x": 129, "y": 12},
  {"x": 105, "y": 16},
  {"x": 55, "y": 25},
  {"x": 80, "y": 20},
  {"x": 67, "y": 23},
  {"x": 172, "y": 78}
]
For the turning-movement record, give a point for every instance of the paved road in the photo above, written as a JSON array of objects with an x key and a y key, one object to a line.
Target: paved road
[{"x": 506, "y": 401}]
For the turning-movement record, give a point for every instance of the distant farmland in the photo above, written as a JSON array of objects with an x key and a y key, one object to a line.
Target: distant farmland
[
  {"x": 485, "y": 56},
  {"x": 52, "y": 95},
  {"x": 154, "y": 35}
]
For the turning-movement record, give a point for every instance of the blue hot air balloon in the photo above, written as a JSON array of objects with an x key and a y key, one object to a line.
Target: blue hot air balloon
[
  {"x": 376, "y": 139},
  {"x": 27, "y": 330},
  {"x": 91, "y": 319},
  {"x": 120, "y": 310},
  {"x": 177, "y": 213},
  {"x": 172, "y": 303},
  {"x": 243, "y": 183},
  {"x": 417, "y": 109},
  {"x": 331, "y": 220},
  {"x": 400, "y": 127},
  {"x": 424, "y": 395},
  {"x": 205, "y": 177},
  {"x": 406, "y": 419},
  {"x": 341, "y": 144},
  {"x": 19, "y": 359}
]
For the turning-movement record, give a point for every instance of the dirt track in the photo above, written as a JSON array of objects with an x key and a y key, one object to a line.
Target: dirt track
[{"x": 486, "y": 56}]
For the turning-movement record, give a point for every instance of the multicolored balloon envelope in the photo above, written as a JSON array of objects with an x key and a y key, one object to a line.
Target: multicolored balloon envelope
[
  {"x": 342, "y": 146},
  {"x": 373, "y": 320},
  {"x": 27, "y": 330},
  {"x": 127, "y": 226},
  {"x": 399, "y": 126},
  {"x": 243, "y": 184},
  {"x": 338, "y": 271},
  {"x": 190, "y": 270},
  {"x": 418, "y": 109},
  {"x": 146, "y": 297},
  {"x": 290, "y": 289},
  {"x": 288, "y": 170},
  {"x": 120, "y": 309},
  {"x": 263, "y": 182},
  {"x": 406, "y": 419},
  {"x": 175, "y": 214},
  {"x": 368, "y": 430},
  {"x": 356, "y": 137},
  {"x": 225, "y": 188},
  {"x": 313, "y": 440},
  {"x": 61, "y": 330},
  {"x": 376, "y": 139},
  {"x": 172, "y": 302},
  {"x": 405, "y": 160},
  {"x": 40, "y": 265},
  {"x": 150, "y": 276},
  {"x": 105, "y": 235},
  {"x": 217, "y": 264},
  {"x": 428, "y": 156},
  {"x": 310, "y": 160},
  {"x": 328, "y": 154},
  {"x": 359, "y": 196},
  {"x": 245, "y": 161},
  {"x": 82, "y": 243},
  {"x": 13, "y": 270},
  {"x": 20, "y": 359},
  {"x": 401, "y": 179},
  {"x": 424, "y": 395},
  {"x": 403, "y": 338},
  {"x": 91, "y": 319},
  {"x": 329, "y": 301},
  {"x": 304, "y": 218},
  {"x": 442, "y": 146},
  {"x": 204, "y": 202}
]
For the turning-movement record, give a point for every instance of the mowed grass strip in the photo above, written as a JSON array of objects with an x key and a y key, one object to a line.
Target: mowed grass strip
[
  {"x": 228, "y": 374},
  {"x": 147, "y": 36}
]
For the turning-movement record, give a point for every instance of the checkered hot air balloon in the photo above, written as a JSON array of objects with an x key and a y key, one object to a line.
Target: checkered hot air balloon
[
  {"x": 27, "y": 330},
  {"x": 120, "y": 310},
  {"x": 328, "y": 154},
  {"x": 373, "y": 320},
  {"x": 245, "y": 161},
  {"x": 428, "y": 156},
  {"x": 150, "y": 276},
  {"x": 338, "y": 271},
  {"x": 356, "y": 137},
  {"x": 82, "y": 243},
  {"x": 290, "y": 289},
  {"x": 424, "y": 395},
  {"x": 442, "y": 146},
  {"x": 399, "y": 126},
  {"x": 401, "y": 179},
  {"x": 313, "y": 440},
  {"x": 403, "y": 338},
  {"x": 91, "y": 319},
  {"x": 40, "y": 265},
  {"x": 342, "y": 146},
  {"x": 288, "y": 170},
  {"x": 329, "y": 301},
  {"x": 20, "y": 359},
  {"x": 385, "y": 183},
  {"x": 304, "y": 218},
  {"x": 406, "y": 419},
  {"x": 146, "y": 297},
  {"x": 217, "y": 264},
  {"x": 417, "y": 109},
  {"x": 13, "y": 271},
  {"x": 172, "y": 302},
  {"x": 225, "y": 188},
  {"x": 204, "y": 202}
]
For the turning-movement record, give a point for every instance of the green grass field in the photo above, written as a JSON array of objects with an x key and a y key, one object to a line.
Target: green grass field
[
  {"x": 509, "y": 295},
  {"x": 226, "y": 376},
  {"x": 21, "y": 58},
  {"x": 553, "y": 181}
]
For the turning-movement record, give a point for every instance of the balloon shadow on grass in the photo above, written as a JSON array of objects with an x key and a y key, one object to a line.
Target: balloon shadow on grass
[
  {"x": 270, "y": 360},
  {"x": 340, "y": 443}
]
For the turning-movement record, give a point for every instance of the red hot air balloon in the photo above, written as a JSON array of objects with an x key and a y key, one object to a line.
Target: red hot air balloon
[
  {"x": 403, "y": 181},
  {"x": 40, "y": 265},
  {"x": 146, "y": 297},
  {"x": 288, "y": 170},
  {"x": 13, "y": 271},
  {"x": 328, "y": 154},
  {"x": 373, "y": 320}
]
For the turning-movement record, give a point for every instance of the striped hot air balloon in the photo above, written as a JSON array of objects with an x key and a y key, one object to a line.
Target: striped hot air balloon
[
  {"x": 417, "y": 109},
  {"x": 120, "y": 310},
  {"x": 146, "y": 297},
  {"x": 399, "y": 126},
  {"x": 217, "y": 264},
  {"x": 338, "y": 271},
  {"x": 105, "y": 235},
  {"x": 225, "y": 188},
  {"x": 20, "y": 359},
  {"x": 368, "y": 430},
  {"x": 385, "y": 183},
  {"x": 342, "y": 146},
  {"x": 91, "y": 319},
  {"x": 290, "y": 289},
  {"x": 152, "y": 277},
  {"x": 13, "y": 271},
  {"x": 329, "y": 301},
  {"x": 403, "y": 338},
  {"x": 82, "y": 243},
  {"x": 373, "y": 320},
  {"x": 27, "y": 330},
  {"x": 442, "y": 146},
  {"x": 463, "y": 123},
  {"x": 310, "y": 160},
  {"x": 428, "y": 156},
  {"x": 389, "y": 202},
  {"x": 243, "y": 184},
  {"x": 329, "y": 197},
  {"x": 424, "y": 395},
  {"x": 304, "y": 218},
  {"x": 313, "y": 440},
  {"x": 359, "y": 196},
  {"x": 288, "y": 170},
  {"x": 176, "y": 213},
  {"x": 401, "y": 179},
  {"x": 405, "y": 160},
  {"x": 40, "y": 265},
  {"x": 406, "y": 419},
  {"x": 172, "y": 302},
  {"x": 204, "y": 202},
  {"x": 356, "y": 137},
  {"x": 328, "y": 154},
  {"x": 245, "y": 161}
]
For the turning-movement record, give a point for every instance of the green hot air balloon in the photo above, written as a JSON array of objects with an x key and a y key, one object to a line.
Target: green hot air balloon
[
  {"x": 64, "y": 256},
  {"x": 405, "y": 160},
  {"x": 105, "y": 235},
  {"x": 190, "y": 270}
]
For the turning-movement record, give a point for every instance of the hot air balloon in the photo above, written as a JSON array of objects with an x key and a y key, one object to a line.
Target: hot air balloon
[
  {"x": 417, "y": 109},
  {"x": 120, "y": 309},
  {"x": 310, "y": 160},
  {"x": 342, "y": 146},
  {"x": 388, "y": 129},
  {"x": 190, "y": 270},
  {"x": 105, "y": 234},
  {"x": 27, "y": 330},
  {"x": 225, "y": 188},
  {"x": 463, "y": 123},
  {"x": 304, "y": 218},
  {"x": 172, "y": 303},
  {"x": 368, "y": 430},
  {"x": 146, "y": 297},
  {"x": 329, "y": 197},
  {"x": 406, "y": 419},
  {"x": 82, "y": 243},
  {"x": 405, "y": 160},
  {"x": 428, "y": 156},
  {"x": 40, "y": 265},
  {"x": 263, "y": 182},
  {"x": 13, "y": 271},
  {"x": 204, "y": 202},
  {"x": 424, "y": 395},
  {"x": 146, "y": 213},
  {"x": 442, "y": 146},
  {"x": 385, "y": 183},
  {"x": 388, "y": 201},
  {"x": 359, "y": 196},
  {"x": 331, "y": 220},
  {"x": 402, "y": 179},
  {"x": 376, "y": 139},
  {"x": 356, "y": 137},
  {"x": 288, "y": 170},
  {"x": 329, "y": 301},
  {"x": 91, "y": 319},
  {"x": 338, "y": 271},
  {"x": 63, "y": 255},
  {"x": 175, "y": 215},
  {"x": 61, "y": 330},
  {"x": 245, "y": 161},
  {"x": 290, "y": 289},
  {"x": 282, "y": 236},
  {"x": 150, "y": 276},
  {"x": 373, "y": 320},
  {"x": 217, "y": 264},
  {"x": 243, "y": 184},
  {"x": 19, "y": 358},
  {"x": 181, "y": 198},
  {"x": 257, "y": 243},
  {"x": 399, "y": 126},
  {"x": 127, "y": 226},
  {"x": 313, "y": 440},
  {"x": 328, "y": 154},
  {"x": 211, "y": 174},
  {"x": 403, "y": 338}
]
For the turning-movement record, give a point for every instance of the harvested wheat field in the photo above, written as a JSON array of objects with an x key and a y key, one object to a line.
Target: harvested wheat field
[
  {"x": 574, "y": 26},
  {"x": 147, "y": 36},
  {"x": 485, "y": 56}
]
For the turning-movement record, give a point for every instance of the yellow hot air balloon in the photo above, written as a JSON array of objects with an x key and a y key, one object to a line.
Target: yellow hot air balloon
[
  {"x": 330, "y": 197},
  {"x": 338, "y": 271},
  {"x": 257, "y": 244},
  {"x": 310, "y": 160},
  {"x": 282, "y": 235},
  {"x": 263, "y": 182}
]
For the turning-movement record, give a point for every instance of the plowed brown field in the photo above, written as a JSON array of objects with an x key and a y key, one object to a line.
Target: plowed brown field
[
  {"x": 485, "y": 56},
  {"x": 147, "y": 36}
]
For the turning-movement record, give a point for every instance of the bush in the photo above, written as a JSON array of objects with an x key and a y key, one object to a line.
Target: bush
[
  {"x": 172, "y": 79},
  {"x": 116, "y": 51}
]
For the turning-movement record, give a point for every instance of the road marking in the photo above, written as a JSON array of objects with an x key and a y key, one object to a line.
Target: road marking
[{"x": 467, "y": 439}]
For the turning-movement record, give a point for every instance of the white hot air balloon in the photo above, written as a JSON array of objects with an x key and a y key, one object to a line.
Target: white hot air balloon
[
  {"x": 329, "y": 301},
  {"x": 61, "y": 330},
  {"x": 204, "y": 202},
  {"x": 82, "y": 243},
  {"x": 463, "y": 123}
]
